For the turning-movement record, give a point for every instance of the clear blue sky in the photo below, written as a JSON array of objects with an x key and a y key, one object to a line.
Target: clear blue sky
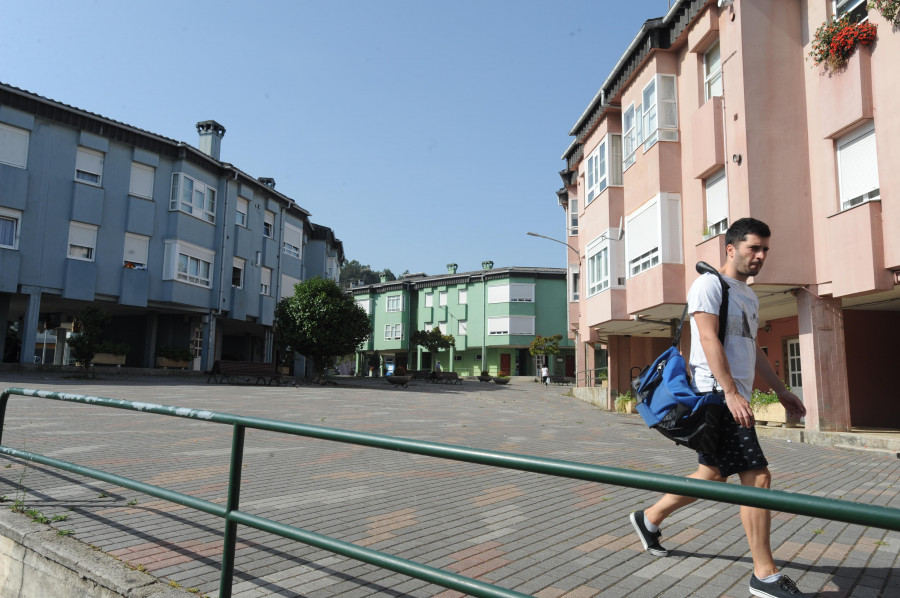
[{"x": 422, "y": 132}]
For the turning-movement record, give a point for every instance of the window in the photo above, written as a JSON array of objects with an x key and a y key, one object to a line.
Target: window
[
  {"x": 574, "y": 281},
  {"x": 463, "y": 328},
  {"x": 855, "y": 8},
  {"x": 192, "y": 197},
  {"x": 141, "y": 184},
  {"x": 597, "y": 269},
  {"x": 858, "y": 167},
  {"x": 287, "y": 285},
  {"x": 573, "y": 216},
  {"x": 519, "y": 325},
  {"x": 14, "y": 146},
  {"x": 628, "y": 137},
  {"x": 188, "y": 263},
  {"x": 136, "y": 249},
  {"x": 237, "y": 272},
  {"x": 265, "y": 281},
  {"x": 653, "y": 234},
  {"x": 463, "y": 296},
  {"x": 660, "y": 116},
  {"x": 293, "y": 241},
  {"x": 511, "y": 293},
  {"x": 243, "y": 206},
  {"x": 442, "y": 299},
  {"x": 363, "y": 304},
  {"x": 82, "y": 241},
  {"x": 638, "y": 127},
  {"x": 269, "y": 224},
  {"x": 395, "y": 303},
  {"x": 716, "y": 204},
  {"x": 428, "y": 327},
  {"x": 429, "y": 299},
  {"x": 393, "y": 332},
  {"x": 442, "y": 326},
  {"x": 712, "y": 71},
  {"x": 9, "y": 228},
  {"x": 88, "y": 166},
  {"x": 596, "y": 172}
]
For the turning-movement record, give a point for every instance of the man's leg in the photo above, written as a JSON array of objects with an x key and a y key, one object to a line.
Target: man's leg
[
  {"x": 758, "y": 525},
  {"x": 646, "y": 523},
  {"x": 670, "y": 503}
]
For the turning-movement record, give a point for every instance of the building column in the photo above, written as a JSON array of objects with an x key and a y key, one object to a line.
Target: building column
[
  {"x": 619, "y": 368},
  {"x": 268, "y": 349},
  {"x": 452, "y": 358},
  {"x": 60, "y": 354},
  {"x": 823, "y": 359},
  {"x": 4, "y": 322},
  {"x": 207, "y": 355},
  {"x": 30, "y": 324}
]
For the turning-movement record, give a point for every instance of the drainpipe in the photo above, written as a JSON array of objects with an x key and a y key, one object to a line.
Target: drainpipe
[{"x": 484, "y": 323}]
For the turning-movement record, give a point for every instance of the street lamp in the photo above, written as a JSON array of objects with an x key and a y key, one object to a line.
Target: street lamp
[{"x": 577, "y": 254}]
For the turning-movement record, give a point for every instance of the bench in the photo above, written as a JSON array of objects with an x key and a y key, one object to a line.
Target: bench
[
  {"x": 228, "y": 371},
  {"x": 420, "y": 374},
  {"x": 447, "y": 377}
]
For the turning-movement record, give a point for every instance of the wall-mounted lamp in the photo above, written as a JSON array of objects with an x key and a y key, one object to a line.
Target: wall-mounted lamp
[{"x": 736, "y": 159}]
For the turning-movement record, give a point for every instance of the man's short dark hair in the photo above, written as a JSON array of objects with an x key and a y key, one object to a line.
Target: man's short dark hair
[{"x": 742, "y": 227}]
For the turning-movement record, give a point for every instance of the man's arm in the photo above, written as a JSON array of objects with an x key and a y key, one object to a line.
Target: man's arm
[
  {"x": 708, "y": 327},
  {"x": 793, "y": 406}
]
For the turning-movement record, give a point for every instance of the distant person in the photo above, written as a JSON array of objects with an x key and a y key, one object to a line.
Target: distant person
[
  {"x": 731, "y": 367},
  {"x": 545, "y": 375},
  {"x": 438, "y": 367}
]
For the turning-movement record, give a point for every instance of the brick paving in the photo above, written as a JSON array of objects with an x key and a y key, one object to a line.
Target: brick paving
[{"x": 544, "y": 536}]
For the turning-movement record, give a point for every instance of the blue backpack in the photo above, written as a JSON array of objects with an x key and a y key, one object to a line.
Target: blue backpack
[{"x": 666, "y": 400}]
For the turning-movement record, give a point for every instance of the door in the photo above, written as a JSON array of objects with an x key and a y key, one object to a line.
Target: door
[
  {"x": 505, "y": 363},
  {"x": 570, "y": 366},
  {"x": 794, "y": 376}
]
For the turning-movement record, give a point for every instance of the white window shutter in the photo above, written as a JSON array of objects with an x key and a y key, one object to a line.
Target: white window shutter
[
  {"x": 858, "y": 167},
  {"x": 716, "y": 199},
  {"x": 642, "y": 231}
]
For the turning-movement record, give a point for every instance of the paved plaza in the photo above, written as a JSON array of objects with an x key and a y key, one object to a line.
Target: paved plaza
[{"x": 540, "y": 535}]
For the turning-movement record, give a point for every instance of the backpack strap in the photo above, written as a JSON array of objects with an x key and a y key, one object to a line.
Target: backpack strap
[{"x": 704, "y": 268}]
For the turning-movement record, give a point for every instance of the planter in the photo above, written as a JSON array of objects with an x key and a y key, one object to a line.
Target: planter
[
  {"x": 484, "y": 378},
  {"x": 108, "y": 359},
  {"x": 631, "y": 407},
  {"x": 773, "y": 415},
  {"x": 398, "y": 380},
  {"x": 501, "y": 380},
  {"x": 165, "y": 363}
]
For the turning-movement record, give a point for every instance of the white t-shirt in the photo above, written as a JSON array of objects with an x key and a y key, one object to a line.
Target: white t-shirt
[{"x": 740, "y": 333}]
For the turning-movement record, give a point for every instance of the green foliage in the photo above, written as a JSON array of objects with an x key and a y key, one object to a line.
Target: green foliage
[
  {"x": 433, "y": 340},
  {"x": 623, "y": 399},
  {"x": 759, "y": 398},
  {"x": 89, "y": 324},
  {"x": 175, "y": 353},
  {"x": 320, "y": 321},
  {"x": 889, "y": 9},
  {"x": 542, "y": 345},
  {"x": 353, "y": 271}
]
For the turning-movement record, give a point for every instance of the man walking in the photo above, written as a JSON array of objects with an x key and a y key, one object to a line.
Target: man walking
[{"x": 731, "y": 367}]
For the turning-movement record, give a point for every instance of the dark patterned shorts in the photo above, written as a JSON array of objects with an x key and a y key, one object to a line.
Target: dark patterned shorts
[{"x": 738, "y": 449}]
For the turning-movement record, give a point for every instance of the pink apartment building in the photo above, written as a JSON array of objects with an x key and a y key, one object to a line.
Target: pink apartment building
[{"x": 714, "y": 113}]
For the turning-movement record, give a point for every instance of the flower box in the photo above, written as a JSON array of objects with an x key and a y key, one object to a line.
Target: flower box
[
  {"x": 108, "y": 359},
  {"x": 165, "y": 363},
  {"x": 773, "y": 415},
  {"x": 501, "y": 380}
]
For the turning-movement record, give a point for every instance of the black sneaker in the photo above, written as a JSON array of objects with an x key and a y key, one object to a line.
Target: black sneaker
[
  {"x": 777, "y": 589},
  {"x": 649, "y": 539}
]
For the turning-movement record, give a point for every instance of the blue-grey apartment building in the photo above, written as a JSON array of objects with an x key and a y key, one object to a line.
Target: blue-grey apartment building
[{"x": 181, "y": 249}]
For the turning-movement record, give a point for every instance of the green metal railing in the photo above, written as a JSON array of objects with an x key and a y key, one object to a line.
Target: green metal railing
[{"x": 815, "y": 506}]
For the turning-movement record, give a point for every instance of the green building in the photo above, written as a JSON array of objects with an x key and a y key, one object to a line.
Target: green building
[{"x": 494, "y": 314}]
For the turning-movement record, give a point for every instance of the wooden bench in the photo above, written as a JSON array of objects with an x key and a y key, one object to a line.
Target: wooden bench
[
  {"x": 420, "y": 374},
  {"x": 228, "y": 371},
  {"x": 447, "y": 377}
]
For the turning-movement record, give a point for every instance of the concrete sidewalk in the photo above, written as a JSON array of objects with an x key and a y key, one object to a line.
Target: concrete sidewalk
[{"x": 535, "y": 534}]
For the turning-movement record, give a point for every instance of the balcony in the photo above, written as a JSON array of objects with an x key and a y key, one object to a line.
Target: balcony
[
  {"x": 708, "y": 139},
  {"x": 857, "y": 251},
  {"x": 845, "y": 96}
]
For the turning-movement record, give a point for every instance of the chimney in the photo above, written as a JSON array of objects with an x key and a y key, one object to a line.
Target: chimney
[
  {"x": 268, "y": 182},
  {"x": 487, "y": 265},
  {"x": 211, "y": 134},
  {"x": 451, "y": 268},
  {"x": 382, "y": 277}
]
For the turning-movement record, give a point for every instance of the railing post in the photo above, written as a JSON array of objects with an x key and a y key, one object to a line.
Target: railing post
[
  {"x": 4, "y": 399},
  {"x": 232, "y": 504}
]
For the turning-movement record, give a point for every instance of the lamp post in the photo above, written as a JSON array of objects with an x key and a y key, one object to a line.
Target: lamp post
[{"x": 577, "y": 254}]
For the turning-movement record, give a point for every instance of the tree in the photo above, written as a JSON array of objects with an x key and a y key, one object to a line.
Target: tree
[
  {"x": 542, "y": 346},
  {"x": 89, "y": 322},
  {"x": 353, "y": 271},
  {"x": 433, "y": 340},
  {"x": 321, "y": 322}
]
